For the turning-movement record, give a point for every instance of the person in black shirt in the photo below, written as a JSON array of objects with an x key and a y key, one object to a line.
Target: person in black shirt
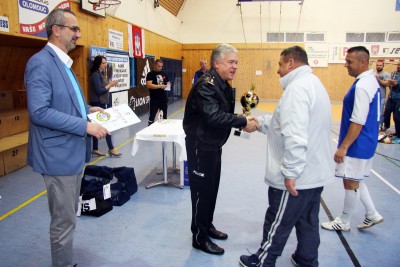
[{"x": 156, "y": 82}]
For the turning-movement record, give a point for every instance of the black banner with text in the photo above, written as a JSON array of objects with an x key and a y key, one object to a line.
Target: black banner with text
[{"x": 139, "y": 96}]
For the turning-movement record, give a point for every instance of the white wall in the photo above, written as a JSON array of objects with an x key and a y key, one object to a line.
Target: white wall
[
  {"x": 143, "y": 14},
  {"x": 217, "y": 21}
]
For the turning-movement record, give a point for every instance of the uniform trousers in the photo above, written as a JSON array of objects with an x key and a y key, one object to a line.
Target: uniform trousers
[
  {"x": 284, "y": 213},
  {"x": 393, "y": 106},
  {"x": 204, "y": 169},
  {"x": 63, "y": 198},
  {"x": 158, "y": 104}
]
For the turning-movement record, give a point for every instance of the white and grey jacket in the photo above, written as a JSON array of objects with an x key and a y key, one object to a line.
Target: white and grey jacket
[{"x": 299, "y": 142}]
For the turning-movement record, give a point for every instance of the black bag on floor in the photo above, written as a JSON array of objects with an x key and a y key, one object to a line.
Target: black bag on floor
[
  {"x": 93, "y": 180},
  {"x": 102, "y": 207},
  {"x": 126, "y": 176},
  {"x": 125, "y": 187},
  {"x": 122, "y": 180}
]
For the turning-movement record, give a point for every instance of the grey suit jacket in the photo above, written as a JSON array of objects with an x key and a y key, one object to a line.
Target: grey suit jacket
[{"x": 58, "y": 143}]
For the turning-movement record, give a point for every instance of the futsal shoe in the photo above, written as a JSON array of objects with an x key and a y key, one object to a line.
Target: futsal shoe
[
  {"x": 336, "y": 225},
  {"x": 370, "y": 221}
]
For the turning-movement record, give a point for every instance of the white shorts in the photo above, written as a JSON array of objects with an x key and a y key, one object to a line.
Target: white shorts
[{"x": 354, "y": 168}]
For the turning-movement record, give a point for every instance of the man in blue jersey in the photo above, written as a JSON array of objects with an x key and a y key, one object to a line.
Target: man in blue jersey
[{"x": 357, "y": 140}]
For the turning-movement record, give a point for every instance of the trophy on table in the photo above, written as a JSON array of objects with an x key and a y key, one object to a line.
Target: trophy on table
[{"x": 248, "y": 100}]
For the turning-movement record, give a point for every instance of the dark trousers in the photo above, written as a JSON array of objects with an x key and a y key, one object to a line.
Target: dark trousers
[
  {"x": 393, "y": 106},
  {"x": 155, "y": 105},
  {"x": 284, "y": 213},
  {"x": 204, "y": 169},
  {"x": 108, "y": 137}
]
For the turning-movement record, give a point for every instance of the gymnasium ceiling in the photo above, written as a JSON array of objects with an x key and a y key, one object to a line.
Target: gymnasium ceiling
[{"x": 172, "y": 6}]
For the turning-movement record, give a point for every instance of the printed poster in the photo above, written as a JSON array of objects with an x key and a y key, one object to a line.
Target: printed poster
[
  {"x": 317, "y": 55},
  {"x": 33, "y": 13},
  {"x": 118, "y": 67},
  {"x": 119, "y": 71},
  {"x": 115, "y": 40}
]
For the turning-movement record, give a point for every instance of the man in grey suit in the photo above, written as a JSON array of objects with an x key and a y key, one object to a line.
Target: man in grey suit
[{"x": 59, "y": 145}]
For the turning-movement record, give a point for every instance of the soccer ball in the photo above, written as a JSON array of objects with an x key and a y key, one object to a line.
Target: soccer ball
[{"x": 249, "y": 100}]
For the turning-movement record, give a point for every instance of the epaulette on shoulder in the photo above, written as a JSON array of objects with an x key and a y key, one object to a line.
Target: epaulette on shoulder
[{"x": 209, "y": 79}]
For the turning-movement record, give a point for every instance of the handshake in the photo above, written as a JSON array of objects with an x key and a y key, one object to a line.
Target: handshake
[{"x": 252, "y": 124}]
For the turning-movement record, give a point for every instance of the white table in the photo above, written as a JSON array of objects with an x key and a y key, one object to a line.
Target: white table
[{"x": 164, "y": 131}]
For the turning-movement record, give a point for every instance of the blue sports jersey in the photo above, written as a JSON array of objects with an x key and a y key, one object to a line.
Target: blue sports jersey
[{"x": 365, "y": 144}]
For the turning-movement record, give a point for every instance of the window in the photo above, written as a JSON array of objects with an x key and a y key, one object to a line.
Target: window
[
  {"x": 277, "y": 37},
  {"x": 357, "y": 37},
  {"x": 375, "y": 37},
  {"x": 393, "y": 37},
  {"x": 294, "y": 37},
  {"x": 315, "y": 37}
]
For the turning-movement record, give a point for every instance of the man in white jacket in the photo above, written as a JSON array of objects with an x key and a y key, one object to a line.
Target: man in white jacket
[{"x": 299, "y": 163}]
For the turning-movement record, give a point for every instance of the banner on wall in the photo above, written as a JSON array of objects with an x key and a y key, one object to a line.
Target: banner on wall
[
  {"x": 139, "y": 97},
  {"x": 337, "y": 52},
  {"x": 118, "y": 67},
  {"x": 33, "y": 13},
  {"x": 317, "y": 55},
  {"x": 136, "y": 41},
  {"x": 120, "y": 71}
]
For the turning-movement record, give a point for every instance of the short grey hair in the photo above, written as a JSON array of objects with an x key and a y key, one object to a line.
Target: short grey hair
[
  {"x": 220, "y": 51},
  {"x": 56, "y": 17}
]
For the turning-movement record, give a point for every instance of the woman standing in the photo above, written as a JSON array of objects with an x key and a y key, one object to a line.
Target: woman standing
[{"x": 99, "y": 96}]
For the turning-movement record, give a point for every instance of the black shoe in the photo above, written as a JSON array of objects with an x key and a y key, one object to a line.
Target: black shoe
[
  {"x": 209, "y": 247},
  {"x": 214, "y": 233}
]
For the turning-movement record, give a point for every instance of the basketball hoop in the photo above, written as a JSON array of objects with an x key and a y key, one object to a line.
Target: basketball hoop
[{"x": 110, "y": 6}]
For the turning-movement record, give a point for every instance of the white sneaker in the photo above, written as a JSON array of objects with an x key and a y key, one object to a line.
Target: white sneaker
[
  {"x": 370, "y": 221},
  {"x": 336, "y": 225}
]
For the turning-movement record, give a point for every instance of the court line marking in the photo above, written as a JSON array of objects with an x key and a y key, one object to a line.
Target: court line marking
[
  {"x": 2, "y": 217},
  {"x": 345, "y": 244}
]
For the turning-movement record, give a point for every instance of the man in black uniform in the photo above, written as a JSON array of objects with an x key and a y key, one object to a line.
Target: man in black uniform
[
  {"x": 207, "y": 123},
  {"x": 156, "y": 82}
]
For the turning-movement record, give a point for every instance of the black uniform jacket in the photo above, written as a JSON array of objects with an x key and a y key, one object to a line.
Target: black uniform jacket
[{"x": 209, "y": 111}]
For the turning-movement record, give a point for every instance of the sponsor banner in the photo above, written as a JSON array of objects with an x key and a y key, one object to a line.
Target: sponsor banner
[
  {"x": 117, "y": 69},
  {"x": 139, "y": 96},
  {"x": 33, "y": 13},
  {"x": 139, "y": 100},
  {"x": 337, "y": 52},
  {"x": 95, "y": 51},
  {"x": 136, "y": 41},
  {"x": 317, "y": 55}
]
